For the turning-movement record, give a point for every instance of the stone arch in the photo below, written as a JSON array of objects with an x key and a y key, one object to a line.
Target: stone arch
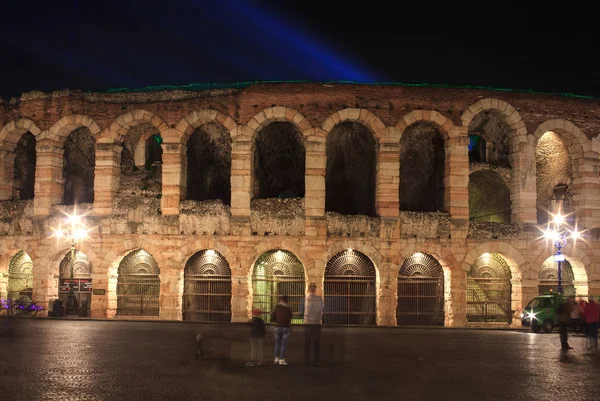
[
  {"x": 362, "y": 116},
  {"x": 278, "y": 114},
  {"x": 510, "y": 115},
  {"x": 138, "y": 285},
  {"x": 188, "y": 124},
  {"x": 67, "y": 124},
  {"x": 443, "y": 124},
  {"x": 575, "y": 139},
  {"x": 513, "y": 257},
  {"x": 262, "y": 248},
  {"x": 119, "y": 128},
  {"x": 188, "y": 251},
  {"x": 12, "y": 132},
  {"x": 79, "y": 163},
  {"x": 580, "y": 264}
]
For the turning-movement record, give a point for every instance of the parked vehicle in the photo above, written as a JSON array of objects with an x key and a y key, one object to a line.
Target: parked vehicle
[
  {"x": 20, "y": 307},
  {"x": 540, "y": 312}
]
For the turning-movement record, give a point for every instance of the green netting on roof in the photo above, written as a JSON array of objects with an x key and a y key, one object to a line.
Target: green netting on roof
[{"x": 240, "y": 85}]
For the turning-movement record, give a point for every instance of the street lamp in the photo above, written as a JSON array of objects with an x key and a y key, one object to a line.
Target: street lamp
[
  {"x": 560, "y": 235},
  {"x": 74, "y": 234}
]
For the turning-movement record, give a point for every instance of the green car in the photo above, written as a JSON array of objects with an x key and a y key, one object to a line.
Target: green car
[{"x": 540, "y": 312}]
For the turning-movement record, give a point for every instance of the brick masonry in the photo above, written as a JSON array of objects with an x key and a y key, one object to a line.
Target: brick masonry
[{"x": 314, "y": 237}]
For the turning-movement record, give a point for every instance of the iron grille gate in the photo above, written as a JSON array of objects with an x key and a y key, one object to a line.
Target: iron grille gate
[
  {"x": 267, "y": 290},
  {"x": 207, "y": 298},
  {"x": 138, "y": 295},
  {"x": 488, "y": 300},
  {"x": 138, "y": 285},
  {"x": 548, "y": 277},
  {"x": 20, "y": 277},
  {"x": 420, "y": 301},
  {"x": 349, "y": 300},
  {"x": 82, "y": 273}
]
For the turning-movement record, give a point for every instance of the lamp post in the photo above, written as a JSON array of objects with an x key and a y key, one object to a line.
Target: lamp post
[
  {"x": 73, "y": 235},
  {"x": 559, "y": 232}
]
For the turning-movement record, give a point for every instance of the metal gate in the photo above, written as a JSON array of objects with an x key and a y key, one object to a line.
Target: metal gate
[
  {"x": 138, "y": 285},
  {"x": 548, "y": 277},
  {"x": 20, "y": 277},
  {"x": 349, "y": 289},
  {"x": 207, "y": 288},
  {"x": 82, "y": 279},
  {"x": 420, "y": 292},
  {"x": 278, "y": 273},
  {"x": 489, "y": 290}
]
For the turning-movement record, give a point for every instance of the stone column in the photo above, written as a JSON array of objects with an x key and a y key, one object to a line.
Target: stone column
[
  {"x": 174, "y": 177},
  {"x": 387, "y": 297},
  {"x": 241, "y": 300},
  {"x": 48, "y": 176},
  {"x": 586, "y": 197},
  {"x": 456, "y": 175},
  {"x": 99, "y": 303},
  {"x": 7, "y": 160},
  {"x": 455, "y": 310},
  {"x": 387, "y": 200},
  {"x": 171, "y": 293},
  {"x": 111, "y": 292},
  {"x": 107, "y": 175},
  {"x": 45, "y": 284},
  {"x": 523, "y": 191},
  {"x": 242, "y": 181},
  {"x": 314, "y": 197}
]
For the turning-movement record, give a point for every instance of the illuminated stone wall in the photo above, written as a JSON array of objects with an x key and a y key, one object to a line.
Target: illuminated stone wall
[{"x": 140, "y": 206}]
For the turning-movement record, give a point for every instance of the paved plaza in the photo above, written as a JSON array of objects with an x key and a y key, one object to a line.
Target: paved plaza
[{"x": 48, "y": 359}]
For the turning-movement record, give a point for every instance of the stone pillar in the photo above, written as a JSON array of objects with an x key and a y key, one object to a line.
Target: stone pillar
[
  {"x": 174, "y": 177},
  {"x": 586, "y": 197},
  {"x": 455, "y": 310},
  {"x": 241, "y": 299},
  {"x": 314, "y": 197},
  {"x": 516, "y": 304},
  {"x": 7, "y": 160},
  {"x": 99, "y": 303},
  {"x": 523, "y": 191},
  {"x": 241, "y": 177},
  {"x": 48, "y": 176},
  {"x": 387, "y": 200},
  {"x": 45, "y": 284},
  {"x": 456, "y": 175},
  {"x": 171, "y": 293},
  {"x": 107, "y": 175},
  {"x": 387, "y": 297},
  {"x": 111, "y": 292}
]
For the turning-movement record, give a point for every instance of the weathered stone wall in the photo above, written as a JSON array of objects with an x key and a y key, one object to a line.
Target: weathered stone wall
[{"x": 138, "y": 209}]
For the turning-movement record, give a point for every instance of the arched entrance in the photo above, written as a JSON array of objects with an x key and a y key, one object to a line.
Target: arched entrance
[
  {"x": 207, "y": 288},
  {"x": 548, "y": 277},
  {"x": 20, "y": 277},
  {"x": 138, "y": 285},
  {"x": 276, "y": 273},
  {"x": 489, "y": 290},
  {"x": 420, "y": 292},
  {"x": 81, "y": 283},
  {"x": 350, "y": 289}
]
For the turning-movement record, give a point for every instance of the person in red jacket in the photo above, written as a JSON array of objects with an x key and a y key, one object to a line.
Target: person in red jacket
[{"x": 592, "y": 314}]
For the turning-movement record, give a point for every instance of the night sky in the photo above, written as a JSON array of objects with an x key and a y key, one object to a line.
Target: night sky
[{"x": 96, "y": 45}]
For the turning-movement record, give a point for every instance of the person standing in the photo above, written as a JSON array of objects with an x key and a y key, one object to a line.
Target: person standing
[
  {"x": 257, "y": 338},
  {"x": 282, "y": 317},
  {"x": 563, "y": 311},
  {"x": 313, "y": 316},
  {"x": 591, "y": 314}
]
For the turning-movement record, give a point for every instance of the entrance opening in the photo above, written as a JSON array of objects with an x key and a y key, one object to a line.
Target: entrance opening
[
  {"x": 81, "y": 283},
  {"x": 141, "y": 162},
  {"x": 207, "y": 288},
  {"x": 279, "y": 160},
  {"x": 489, "y": 198},
  {"x": 350, "y": 289},
  {"x": 24, "y": 168},
  {"x": 138, "y": 285},
  {"x": 78, "y": 167},
  {"x": 420, "y": 292},
  {"x": 209, "y": 164},
  {"x": 548, "y": 277},
  {"x": 351, "y": 170},
  {"x": 20, "y": 277},
  {"x": 489, "y": 290},
  {"x": 422, "y": 156},
  {"x": 494, "y": 144},
  {"x": 553, "y": 165},
  {"x": 276, "y": 273}
]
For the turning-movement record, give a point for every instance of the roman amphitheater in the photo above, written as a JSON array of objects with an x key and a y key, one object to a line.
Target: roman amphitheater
[{"x": 407, "y": 205}]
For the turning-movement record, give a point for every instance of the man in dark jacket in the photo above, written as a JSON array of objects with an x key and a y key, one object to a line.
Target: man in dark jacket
[
  {"x": 563, "y": 311},
  {"x": 282, "y": 317}
]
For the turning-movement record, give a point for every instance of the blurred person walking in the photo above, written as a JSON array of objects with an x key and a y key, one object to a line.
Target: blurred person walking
[
  {"x": 592, "y": 313},
  {"x": 313, "y": 316},
  {"x": 282, "y": 317}
]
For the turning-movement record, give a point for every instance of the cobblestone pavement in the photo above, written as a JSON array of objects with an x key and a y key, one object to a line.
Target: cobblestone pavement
[{"x": 47, "y": 359}]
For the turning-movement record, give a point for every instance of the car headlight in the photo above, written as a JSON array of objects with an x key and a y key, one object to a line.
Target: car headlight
[{"x": 522, "y": 315}]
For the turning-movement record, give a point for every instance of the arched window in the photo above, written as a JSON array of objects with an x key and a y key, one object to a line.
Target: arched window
[
  {"x": 350, "y": 289},
  {"x": 548, "y": 277},
  {"x": 20, "y": 277},
  {"x": 553, "y": 174},
  {"x": 420, "y": 292},
  {"x": 82, "y": 280},
  {"x": 489, "y": 290},
  {"x": 138, "y": 285},
  {"x": 207, "y": 288},
  {"x": 24, "y": 168},
  {"x": 78, "y": 167},
  {"x": 278, "y": 272},
  {"x": 351, "y": 170}
]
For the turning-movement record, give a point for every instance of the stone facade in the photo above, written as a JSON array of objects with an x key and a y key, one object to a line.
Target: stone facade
[{"x": 157, "y": 217}]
